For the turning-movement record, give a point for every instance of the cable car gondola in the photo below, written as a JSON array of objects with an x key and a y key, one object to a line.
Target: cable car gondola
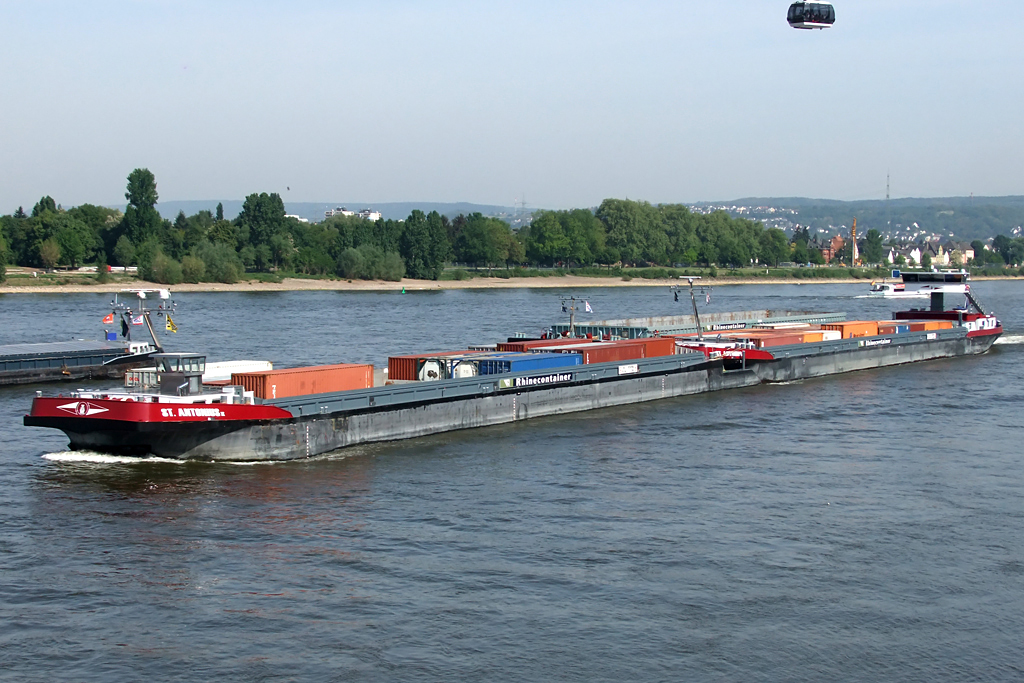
[{"x": 811, "y": 15}]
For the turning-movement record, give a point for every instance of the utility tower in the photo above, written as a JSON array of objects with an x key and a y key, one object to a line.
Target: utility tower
[{"x": 888, "y": 213}]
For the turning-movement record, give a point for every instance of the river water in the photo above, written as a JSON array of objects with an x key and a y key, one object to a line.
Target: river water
[{"x": 856, "y": 528}]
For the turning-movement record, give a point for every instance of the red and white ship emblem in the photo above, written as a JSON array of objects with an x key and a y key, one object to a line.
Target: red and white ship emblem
[{"x": 81, "y": 408}]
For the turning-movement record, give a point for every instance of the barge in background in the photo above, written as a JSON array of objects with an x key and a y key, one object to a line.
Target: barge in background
[
  {"x": 86, "y": 359},
  {"x": 302, "y": 412}
]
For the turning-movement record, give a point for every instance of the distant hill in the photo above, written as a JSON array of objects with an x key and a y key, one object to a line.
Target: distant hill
[
  {"x": 314, "y": 211},
  {"x": 967, "y": 218}
]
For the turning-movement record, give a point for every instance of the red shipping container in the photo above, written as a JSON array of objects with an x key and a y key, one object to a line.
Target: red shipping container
[
  {"x": 527, "y": 345},
  {"x": 609, "y": 352},
  {"x": 407, "y": 367},
  {"x": 655, "y": 346},
  {"x": 318, "y": 379}
]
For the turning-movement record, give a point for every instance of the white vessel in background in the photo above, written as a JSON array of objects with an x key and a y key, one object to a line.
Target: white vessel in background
[
  {"x": 895, "y": 290},
  {"x": 939, "y": 282}
]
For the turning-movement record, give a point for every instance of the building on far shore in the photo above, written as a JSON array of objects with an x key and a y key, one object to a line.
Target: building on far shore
[
  {"x": 365, "y": 214},
  {"x": 296, "y": 217}
]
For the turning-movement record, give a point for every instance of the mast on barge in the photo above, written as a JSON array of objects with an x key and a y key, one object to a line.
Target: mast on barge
[{"x": 131, "y": 304}]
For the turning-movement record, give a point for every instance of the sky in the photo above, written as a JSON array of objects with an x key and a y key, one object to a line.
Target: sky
[{"x": 557, "y": 103}]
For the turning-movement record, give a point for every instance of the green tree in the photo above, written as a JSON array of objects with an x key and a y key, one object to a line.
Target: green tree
[
  {"x": 483, "y": 240},
  {"x": 800, "y": 253},
  {"x": 124, "y": 251},
  {"x": 350, "y": 264},
  {"x": 546, "y": 242},
  {"x": 516, "y": 252},
  {"x": 102, "y": 269},
  {"x": 192, "y": 269},
  {"x": 263, "y": 215},
  {"x": 220, "y": 211},
  {"x": 221, "y": 261},
  {"x": 424, "y": 245},
  {"x": 774, "y": 247},
  {"x": 49, "y": 253},
  {"x": 223, "y": 232},
  {"x": 392, "y": 268},
  {"x": 635, "y": 229},
  {"x": 72, "y": 248},
  {"x": 926, "y": 260},
  {"x": 141, "y": 220},
  {"x": 165, "y": 270},
  {"x": 43, "y": 205},
  {"x": 141, "y": 192},
  {"x": 872, "y": 252},
  {"x": 3, "y": 258}
]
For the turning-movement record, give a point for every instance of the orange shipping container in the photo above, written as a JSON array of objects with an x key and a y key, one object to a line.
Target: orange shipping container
[
  {"x": 929, "y": 325},
  {"x": 811, "y": 337},
  {"x": 318, "y": 379},
  {"x": 780, "y": 340},
  {"x": 854, "y": 328}
]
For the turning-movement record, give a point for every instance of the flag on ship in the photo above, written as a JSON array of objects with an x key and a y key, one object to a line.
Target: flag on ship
[
  {"x": 171, "y": 327},
  {"x": 108, "y": 319},
  {"x": 124, "y": 328},
  {"x": 137, "y": 320},
  {"x": 586, "y": 305}
]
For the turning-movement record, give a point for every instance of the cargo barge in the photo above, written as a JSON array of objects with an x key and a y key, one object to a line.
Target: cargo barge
[{"x": 280, "y": 415}]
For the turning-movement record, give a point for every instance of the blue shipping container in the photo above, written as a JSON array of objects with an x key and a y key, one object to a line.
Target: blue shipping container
[
  {"x": 902, "y": 329},
  {"x": 526, "y": 362}
]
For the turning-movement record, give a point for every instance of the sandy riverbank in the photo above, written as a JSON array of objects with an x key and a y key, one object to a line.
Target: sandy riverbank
[{"x": 298, "y": 285}]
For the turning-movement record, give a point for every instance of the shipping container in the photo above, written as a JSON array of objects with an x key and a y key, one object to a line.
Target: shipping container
[
  {"x": 408, "y": 367},
  {"x": 854, "y": 328},
  {"x": 525, "y": 362},
  {"x": 780, "y": 340},
  {"x": 812, "y": 336},
  {"x": 609, "y": 353},
  {"x": 318, "y": 379},
  {"x": 570, "y": 348},
  {"x": 527, "y": 345},
  {"x": 831, "y": 335},
  {"x": 783, "y": 326},
  {"x": 930, "y": 325},
  {"x": 654, "y": 346}
]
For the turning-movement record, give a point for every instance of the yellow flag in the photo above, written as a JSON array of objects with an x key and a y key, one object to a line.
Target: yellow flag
[{"x": 171, "y": 327}]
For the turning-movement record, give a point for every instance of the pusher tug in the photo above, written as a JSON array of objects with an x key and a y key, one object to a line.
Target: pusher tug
[{"x": 301, "y": 412}]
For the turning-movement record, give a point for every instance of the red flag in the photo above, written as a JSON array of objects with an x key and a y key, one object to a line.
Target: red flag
[{"x": 108, "y": 319}]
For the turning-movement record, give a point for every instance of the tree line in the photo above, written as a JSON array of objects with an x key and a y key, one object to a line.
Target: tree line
[{"x": 208, "y": 247}]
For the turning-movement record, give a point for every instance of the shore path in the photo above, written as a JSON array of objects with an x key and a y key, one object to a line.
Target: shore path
[{"x": 301, "y": 284}]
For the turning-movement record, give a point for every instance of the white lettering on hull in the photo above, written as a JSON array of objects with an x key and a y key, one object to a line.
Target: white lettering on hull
[{"x": 191, "y": 412}]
